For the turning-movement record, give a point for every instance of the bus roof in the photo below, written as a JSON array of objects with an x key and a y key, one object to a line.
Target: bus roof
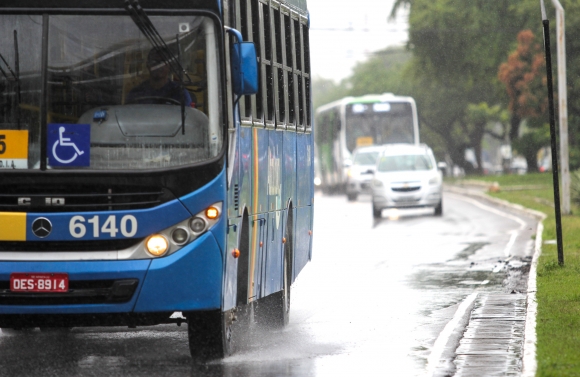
[
  {"x": 368, "y": 98},
  {"x": 110, "y": 4}
]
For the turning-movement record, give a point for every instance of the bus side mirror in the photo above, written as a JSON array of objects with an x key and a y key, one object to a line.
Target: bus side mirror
[
  {"x": 244, "y": 68},
  {"x": 244, "y": 64}
]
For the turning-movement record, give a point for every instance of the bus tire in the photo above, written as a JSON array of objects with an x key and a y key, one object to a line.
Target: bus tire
[
  {"x": 16, "y": 330},
  {"x": 56, "y": 330},
  {"x": 211, "y": 334}
]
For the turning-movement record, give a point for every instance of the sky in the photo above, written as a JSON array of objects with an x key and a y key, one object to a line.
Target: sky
[{"x": 343, "y": 33}]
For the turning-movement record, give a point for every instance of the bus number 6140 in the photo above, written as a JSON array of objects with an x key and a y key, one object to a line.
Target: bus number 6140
[{"x": 127, "y": 226}]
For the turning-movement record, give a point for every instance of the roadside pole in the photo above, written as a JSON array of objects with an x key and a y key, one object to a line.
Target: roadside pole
[
  {"x": 548, "y": 57},
  {"x": 562, "y": 106}
]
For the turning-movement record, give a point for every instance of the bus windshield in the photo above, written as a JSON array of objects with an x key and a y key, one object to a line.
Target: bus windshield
[
  {"x": 378, "y": 123},
  {"x": 113, "y": 100}
]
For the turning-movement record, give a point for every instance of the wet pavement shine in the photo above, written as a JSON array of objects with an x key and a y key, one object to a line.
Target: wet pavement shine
[
  {"x": 493, "y": 338},
  {"x": 409, "y": 295}
]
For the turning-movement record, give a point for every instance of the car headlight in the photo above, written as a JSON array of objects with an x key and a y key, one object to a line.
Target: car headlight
[
  {"x": 434, "y": 180},
  {"x": 377, "y": 183}
]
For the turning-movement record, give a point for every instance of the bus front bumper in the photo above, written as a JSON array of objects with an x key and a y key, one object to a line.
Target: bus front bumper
[{"x": 188, "y": 280}]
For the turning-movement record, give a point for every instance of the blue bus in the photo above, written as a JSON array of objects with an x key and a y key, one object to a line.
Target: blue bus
[
  {"x": 352, "y": 122},
  {"x": 156, "y": 164}
]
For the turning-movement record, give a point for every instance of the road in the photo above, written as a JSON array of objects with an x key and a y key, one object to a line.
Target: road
[{"x": 373, "y": 302}]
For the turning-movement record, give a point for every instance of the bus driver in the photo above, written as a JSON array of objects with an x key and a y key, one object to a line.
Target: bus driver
[{"x": 158, "y": 89}]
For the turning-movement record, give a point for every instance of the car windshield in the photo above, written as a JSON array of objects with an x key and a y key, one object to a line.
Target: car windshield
[
  {"x": 113, "y": 100},
  {"x": 412, "y": 162},
  {"x": 365, "y": 158}
]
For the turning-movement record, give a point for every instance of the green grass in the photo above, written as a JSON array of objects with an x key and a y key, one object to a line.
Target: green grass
[{"x": 558, "y": 287}]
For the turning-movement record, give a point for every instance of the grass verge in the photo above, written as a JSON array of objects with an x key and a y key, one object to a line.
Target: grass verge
[{"x": 558, "y": 287}]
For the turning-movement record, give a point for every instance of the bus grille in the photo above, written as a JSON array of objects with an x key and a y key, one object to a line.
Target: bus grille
[
  {"x": 80, "y": 198},
  {"x": 69, "y": 246},
  {"x": 79, "y": 292}
]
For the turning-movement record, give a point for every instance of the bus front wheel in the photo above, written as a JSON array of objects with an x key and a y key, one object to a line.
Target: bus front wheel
[{"x": 211, "y": 334}]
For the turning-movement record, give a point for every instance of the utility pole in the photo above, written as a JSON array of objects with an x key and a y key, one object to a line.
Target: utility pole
[
  {"x": 562, "y": 106},
  {"x": 556, "y": 183}
]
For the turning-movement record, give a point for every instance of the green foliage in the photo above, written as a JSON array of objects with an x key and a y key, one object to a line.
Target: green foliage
[
  {"x": 325, "y": 91},
  {"x": 575, "y": 187},
  {"x": 383, "y": 72}
]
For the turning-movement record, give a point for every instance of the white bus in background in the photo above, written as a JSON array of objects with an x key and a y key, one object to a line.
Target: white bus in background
[{"x": 353, "y": 122}]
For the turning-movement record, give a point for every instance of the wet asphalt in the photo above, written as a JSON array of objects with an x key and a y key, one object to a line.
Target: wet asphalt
[{"x": 409, "y": 295}]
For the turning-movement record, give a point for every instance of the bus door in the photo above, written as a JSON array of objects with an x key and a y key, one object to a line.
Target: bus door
[
  {"x": 305, "y": 195},
  {"x": 258, "y": 246},
  {"x": 260, "y": 141},
  {"x": 273, "y": 254}
]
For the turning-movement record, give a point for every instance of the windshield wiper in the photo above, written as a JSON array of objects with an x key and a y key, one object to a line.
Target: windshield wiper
[
  {"x": 140, "y": 18},
  {"x": 144, "y": 24},
  {"x": 15, "y": 76}
]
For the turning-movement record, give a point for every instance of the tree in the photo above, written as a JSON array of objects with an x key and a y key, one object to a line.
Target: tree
[
  {"x": 325, "y": 91},
  {"x": 524, "y": 78},
  {"x": 457, "y": 47},
  {"x": 383, "y": 72}
]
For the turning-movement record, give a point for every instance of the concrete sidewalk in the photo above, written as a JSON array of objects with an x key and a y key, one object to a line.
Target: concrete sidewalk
[{"x": 496, "y": 336}]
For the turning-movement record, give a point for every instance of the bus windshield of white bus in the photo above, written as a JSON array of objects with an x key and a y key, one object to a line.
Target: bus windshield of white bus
[
  {"x": 113, "y": 99},
  {"x": 379, "y": 123}
]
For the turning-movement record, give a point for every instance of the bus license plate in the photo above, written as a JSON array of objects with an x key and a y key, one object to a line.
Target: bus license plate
[{"x": 35, "y": 282}]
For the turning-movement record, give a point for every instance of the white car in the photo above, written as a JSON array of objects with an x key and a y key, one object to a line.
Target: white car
[
  {"x": 406, "y": 177},
  {"x": 360, "y": 173}
]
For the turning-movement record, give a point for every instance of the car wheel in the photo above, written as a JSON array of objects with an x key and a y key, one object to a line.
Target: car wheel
[
  {"x": 351, "y": 197},
  {"x": 377, "y": 212},
  {"x": 439, "y": 208}
]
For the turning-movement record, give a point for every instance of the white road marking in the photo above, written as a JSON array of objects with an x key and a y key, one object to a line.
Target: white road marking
[
  {"x": 494, "y": 210},
  {"x": 443, "y": 337},
  {"x": 518, "y": 220},
  {"x": 511, "y": 242}
]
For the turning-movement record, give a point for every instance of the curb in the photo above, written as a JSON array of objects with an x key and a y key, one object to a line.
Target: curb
[{"x": 529, "y": 361}]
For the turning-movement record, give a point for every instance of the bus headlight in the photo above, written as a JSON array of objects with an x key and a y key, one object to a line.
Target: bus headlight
[
  {"x": 179, "y": 236},
  {"x": 197, "y": 224},
  {"x": 157, "y": 245},
  {"x": 174, "y": 238}
]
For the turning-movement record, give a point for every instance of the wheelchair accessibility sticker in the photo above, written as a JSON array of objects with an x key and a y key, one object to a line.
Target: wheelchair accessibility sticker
[{"x": 69, "y": 144}]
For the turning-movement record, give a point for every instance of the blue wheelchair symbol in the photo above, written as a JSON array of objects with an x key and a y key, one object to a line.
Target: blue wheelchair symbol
[{"x": 69, "y": 144}]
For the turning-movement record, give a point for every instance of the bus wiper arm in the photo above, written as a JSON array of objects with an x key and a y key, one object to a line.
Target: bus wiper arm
[
  {"x": 4, "y": 73},
  {"x": 9, "y": 69},
  {"x": 17, "y": 65},
  {"x": 144, "y": 24}
]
